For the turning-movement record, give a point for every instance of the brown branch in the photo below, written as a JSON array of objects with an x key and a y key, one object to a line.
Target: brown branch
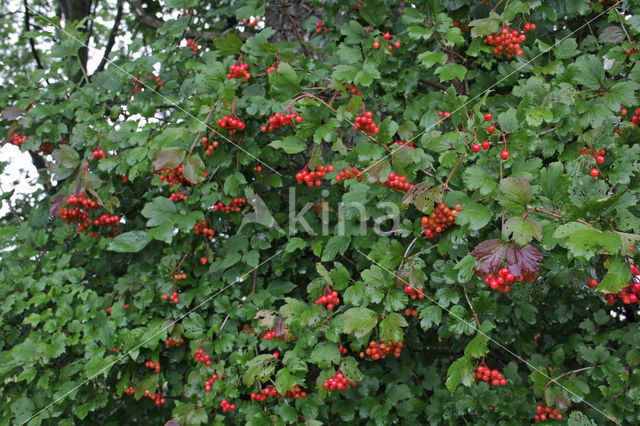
[
  {"x": 466, "y": 295},
  {"x": 27, "y": 28},
  {"x": 295, "y": 27},
  {"x": 112, "y": 38},
  {"x": 446, "y": 183},
  {"x": 433, "y": 84}
]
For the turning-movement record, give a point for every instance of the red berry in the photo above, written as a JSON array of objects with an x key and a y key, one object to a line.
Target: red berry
[
  {"x": 595, "y": 172},
  {"x": 488, "y": 117},
  {"x": 504, "y": 154},
  {"x": 376, "y": 45}
]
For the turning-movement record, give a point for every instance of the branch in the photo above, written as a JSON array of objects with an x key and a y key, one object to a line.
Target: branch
[
  {"x": 27, "y": 28},
  {"x": 466, "y": 295},
  {"x": 112, "y": 38},
  {"x": 295, "y": 27},
  {"x": 433, "y": 84},
  {"x": 156, "y": 23}
]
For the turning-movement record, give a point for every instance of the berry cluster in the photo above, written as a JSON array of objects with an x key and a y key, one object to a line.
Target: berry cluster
[
  {"x": 226, "y": 406},
  {"x": 192, "y": 45},
  {"x": 343, "y": 350},
  {"x": 176, "y": 196},
  {"x": 444, "y": 115},
  {"x": 503, "y": 280},
  {"x": 239, "y": 70},
  {"x": 172, "y": 176},
  {"x": 280, "y": 120},
  {"x": 329, "y": 298},
  {"x": 493, "y": 377},
  {"x": 129, "y": 390},
  {"x": 630, "y": 293},
  {"x": 314, "y": 177},
  {"x": 273, "y": 68},
  {"x": 411, "y": 312},
  {"x": 153, "y": 365},
  {"x": 107, "y": 220},
  {"x": 98, "y": 154},
  {"x": 231, "y": 122},
  {"x": 202, "y": 357},
  {"x": 353, "y": 89},
  {"x": 542, "y": 413},
  {"x": 631, "y": 51},
  {"x": 179, "y": 276},
  {"x": 171, "y": 342},
  {"x": 78, "y": 213},
  {"x": 202, "y": 228},
  {"x": 347, "y": 174},
  {"x": 414, "y": 293},
  {"x": 507, "y": 41},
  {"x": 17, "y": 140},
  {"x": 251, "y": 24},
  {"x": 209, "y": 146},
  {"x": 440, "y": 219},
  {"x": 401, "y": 143},
  {"x": 365, "y": 123},
  {"x": 320, "y": 28},
  {"x": 140, "y": 85},
  {"x": 485, "y": 145},
  {"x": 174, "y": 297},
  {"x": 235, "y": 205},
  {"x": 387, "y": 37},
  {"x": 529, "y": 26},
  {"x": 271, "y": 392},
  {"x": 338, "y": 381},
  {"x": 396, "y": 182},
  {"x": 284, "y": 336},
  {"x": 156, "y": 396},
  {"x": 209, "y": 383},
  {"x": 380, "y": 350}
]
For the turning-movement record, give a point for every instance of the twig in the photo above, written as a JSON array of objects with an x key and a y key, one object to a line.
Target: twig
[
  {"x": 466, "y": 295},
  {"x": 206, "y": 120},
  {"x": 547, "y": 131},
  {"x": 27, "y": 28},
  {"x": 406, "y": 253},
  {"x": 15, "y": 213},
  {"x": 112, "y": 38},
  {"x": 84, "y": 72},
  {"x": 445, "y": 186},
  {"x": 566, "y": 374},
  {"x": 295, "y": 27},
  {"x": 255, "y": 280}
]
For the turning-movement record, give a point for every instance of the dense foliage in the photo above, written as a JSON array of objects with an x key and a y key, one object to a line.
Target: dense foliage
[{"x": 432, "y": 206}]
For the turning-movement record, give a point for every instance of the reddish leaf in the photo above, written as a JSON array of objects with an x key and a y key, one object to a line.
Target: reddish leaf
[
  {"x": 523, "y": 261},
  {"x": 490, "y": 256},
  {"x": 56, "y": 203},
  {"x": 279, "y": 328},
  {"x": 170, "y": 158}
]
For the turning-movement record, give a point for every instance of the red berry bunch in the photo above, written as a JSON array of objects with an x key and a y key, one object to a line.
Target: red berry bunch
[
  {"x": 284, "y": 336},
  {"x": 156, "y": 396},
  {"x": 140, "y": 85},
  {"x": 107, "y": 220},
  {"x": 387, "y": 38},
  {"x": 78, "y": 213},
  {"x": 203, "y": 357},
  {"x": 176, "y": 196},
  {"x": 440, "y": 219},
  {"x": 209, "y": 146},
  {"x": 98, "y": 154},
  {"x": 172, "y": 176},
  {"x": 180, "y": 276},
  {"x": 401, "y": 143},
  {"x": 192, "y": 45},
  {"x": 411, "y": 312},
  {"x": 544, "y": 413},
  {"x": 271, "y": 392},
  {"x": 153, "y": 365},
  {"x": 202, "y": 228},
  {"x": 171, "y": 342},
  {"x": 174, "y": 297},
  {"x": 414, "y": 293},
  {"x": 343, "y": 350},
  {"x": 17, "y": 140},
  {"x": 636, "y": 118},
  {"x": 231, "y": 122},
  {"x": 365, "y": 123},
  {"x": 630, "y": 293},
  {"x": 114, "y": 349},
  {"x": 396, "y": 182},
  {"x": 226, "y": 406},
  {"x": 280, "y": 120},
  {"x": 209, "y": 383},
  {"x": 239, "y": 70},
  {"x": 529, "y": 26},
  {"x": 157, "y": 79},
  {"x": 630, "y": 52},
  {"x": 380, "y": 350},
  {"x": 314, "y": 177},
  {"x": 353, "y": 89},
  {"x": 504, "y": 278},
  {"x": 493, "y": 377},
  {"x": 347, "y": 174},
  {"x": 234, "y": 206},
  {"x": 329, "y": 298},
  {"x": 320, "y": 28},
  {"x": 251, "y": 24},
  {"x": 338, "y": 381},
  {"x": 129, "y": 390},
  {"x": 507, "y": 41},
  {"x": 444, "y": 115}
]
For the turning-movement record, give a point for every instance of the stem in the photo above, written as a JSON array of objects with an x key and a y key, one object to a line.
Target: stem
[
  {"x": 193, "y": 145},
  {"x": 406, "y": 253},
  {"x": 295, "y": 27},
  {"x": 446, "y": 183},
  {"x": 466, "y": 295},
  {"x": 566, "y": 374}
]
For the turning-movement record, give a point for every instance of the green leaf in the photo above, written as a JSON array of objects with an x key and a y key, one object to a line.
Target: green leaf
[
  {"x": 359, "y": 321},
  {"x": 590, "y": 72},
  {"x": 460, "y": 370},
  {"x": 478, "y": 178},
  {"x": 584, "y": 241},
  {"x": 261, "y": 367},
  {"x": 391, "y": 327},
  {"x": 485, "y": 26},
  {"x": 515, "y": 194},
  {"x": 129, "y": 242},
  {"x": 193, "y": 170},
  {"x": 617, "y": 277},
  {"x": 289, "y": 144},
  {"x": 66, "y": 157},
  {"x": 465, "y": 268},
  {"x": 475, "y": 215},
  {"x": 516, "y": 7},
  {"x": 367, "y": 74},
  {"x": 451, "y": 71},
  {"x": 349, "y": 368},
  {"x": 353, "y": 31},
  {"x": 521, "y": 230},
  {"x": 429, "y": 59},
  {"x": 325, "y": 354},
  {"x": 554, "y": 185},
  {"x": 285, "y": 380},
  {"x": 159, "y": 210},
  {"x": 477, "y": 347},
  {"x": 336, "y": 244},
  {"x": 228, "y": 46},
  {"x": 621, "y": 93},
  {"x": 168, "y": 158},
  {"x": 284, "y": 84}
]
